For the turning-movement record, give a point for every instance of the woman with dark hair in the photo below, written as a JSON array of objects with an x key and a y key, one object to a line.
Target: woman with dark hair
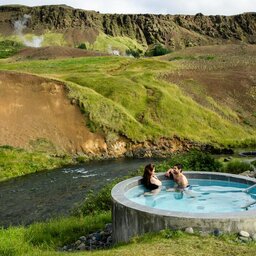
[{"x": 149, "y": 180}]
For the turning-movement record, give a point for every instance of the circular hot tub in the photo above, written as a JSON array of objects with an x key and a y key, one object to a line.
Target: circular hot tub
[{"x": 215, "y": 201}]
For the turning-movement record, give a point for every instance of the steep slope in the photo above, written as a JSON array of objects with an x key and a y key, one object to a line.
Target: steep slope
[
  {"x": 145, "y": 107},
  {"x": 36, "y": 114},
  {"x": 223, "y": 74},
  {"x": 65, "y": 25}
]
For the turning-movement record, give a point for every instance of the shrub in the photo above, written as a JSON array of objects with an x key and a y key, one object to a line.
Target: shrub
[
  {"x": 134, "y": 53},
  {"x": 200, "y": 161},
  {"x": 82, "y": 46},
  {"x": 157, "y": 50},
  {"x": 9, "y": 48},
  {"x": 195, "y": 160},
  {"x": 98, "y": 202},
  {"x": 237, "y": 167}
]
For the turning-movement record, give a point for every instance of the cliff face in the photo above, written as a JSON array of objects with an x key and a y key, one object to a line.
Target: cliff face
[{"x": 174, "y": 31}]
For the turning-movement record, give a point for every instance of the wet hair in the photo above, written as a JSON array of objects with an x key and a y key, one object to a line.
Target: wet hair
[{"x": 147, "y": 174}]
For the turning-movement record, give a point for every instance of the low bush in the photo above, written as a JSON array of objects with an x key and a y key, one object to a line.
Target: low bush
[
  {"x": 237, "y": 167},
  {"x": 157, "y": 50},
  {"x": 193, "y": 160},
  {"x": 9, "y": 48},
  {"x": 98, "y": 202}
]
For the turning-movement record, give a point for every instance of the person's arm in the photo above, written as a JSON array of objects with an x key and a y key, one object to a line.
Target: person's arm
[{"x": 167, "y": 174}]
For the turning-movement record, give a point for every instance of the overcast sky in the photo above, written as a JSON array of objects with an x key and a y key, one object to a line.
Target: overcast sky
[{"x": 212, "y": 7}]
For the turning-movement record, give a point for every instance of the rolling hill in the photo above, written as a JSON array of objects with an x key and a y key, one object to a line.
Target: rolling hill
[{"x": 109, "y": 104}]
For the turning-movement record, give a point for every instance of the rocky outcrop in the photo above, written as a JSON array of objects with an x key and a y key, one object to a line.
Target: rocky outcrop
[{"x": 174, "y": 31}]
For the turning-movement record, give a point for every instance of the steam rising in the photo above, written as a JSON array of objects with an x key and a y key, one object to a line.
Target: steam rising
[
  {"x": 20, "y": 25},
  {"x": 113, "y": 52}
]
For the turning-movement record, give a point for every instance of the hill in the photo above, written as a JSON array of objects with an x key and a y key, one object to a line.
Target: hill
[
  {"x": 53, "y": 52},
  {"x": 63, "y": 25},
  {"x": 35, "y": 112},
  {"x": 134, "y": 107}
]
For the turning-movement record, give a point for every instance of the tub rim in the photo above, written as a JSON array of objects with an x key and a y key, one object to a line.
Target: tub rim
[{"x": 118, "y": 195}]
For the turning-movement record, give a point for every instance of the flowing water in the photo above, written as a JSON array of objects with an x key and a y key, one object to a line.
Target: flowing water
[{"x": 48, "y": 194}]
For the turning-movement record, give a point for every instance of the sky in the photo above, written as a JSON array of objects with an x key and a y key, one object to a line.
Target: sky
[{"x": 207, "y": 7}]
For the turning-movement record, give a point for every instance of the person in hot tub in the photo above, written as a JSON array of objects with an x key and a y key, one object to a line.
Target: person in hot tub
[
  {"x": 150, "y": 180},
  {"x": 179, "y": 178}
]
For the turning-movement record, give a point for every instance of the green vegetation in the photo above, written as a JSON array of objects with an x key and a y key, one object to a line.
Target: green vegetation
[
  {"x": 9, "y": 48},
  {"x": 236, "y": 167},
  {"x": 45, "y": 238},
  {"x": 82, "y": 46},
  {"x": 122, "y": 45},
  {"x": 200, "y": 57},
  {"x": 107, "y": 87},
  {"x": 157, "y": 50},
  {"x": 16, "y": 162},
  {"x": 193, "y": 160},
  {"x": 48, "y": 38}
]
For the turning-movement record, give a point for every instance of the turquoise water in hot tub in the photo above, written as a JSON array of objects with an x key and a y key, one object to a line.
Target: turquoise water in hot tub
[{"x": 204, "y": 196}]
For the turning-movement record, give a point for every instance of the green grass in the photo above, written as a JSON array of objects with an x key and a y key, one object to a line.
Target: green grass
[
  {"x": 125, "y": 96},
  {"x": 193, "y": 58},
  {"x": 9, "y": 48},
  {"x": 49, "y": 38},
  {"x": 17, "y": 162},
  {"x": 46, "y": 238},
  {"x": 105, "y": 43},
  {"x": 237, "y": 166}
]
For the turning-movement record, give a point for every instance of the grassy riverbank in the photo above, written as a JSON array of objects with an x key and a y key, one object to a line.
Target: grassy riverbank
[
  {"x": 47, "y": 237},
  {"x": 16, "y": 162}
]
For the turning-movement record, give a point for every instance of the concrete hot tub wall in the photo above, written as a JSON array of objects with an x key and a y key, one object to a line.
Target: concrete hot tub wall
[{"x": 130, "y": 219}]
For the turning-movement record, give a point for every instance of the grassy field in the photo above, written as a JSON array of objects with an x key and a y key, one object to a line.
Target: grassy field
[
  {"x": 108, "y": 87},
  {"x": 17, "y": 162},
  {"x": 103, "y": 43},
  {"x": 9, "y": 48},
  {"x": 44, "y": 239}
]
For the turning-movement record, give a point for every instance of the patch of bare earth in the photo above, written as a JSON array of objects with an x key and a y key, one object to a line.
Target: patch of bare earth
[
  {"x": 54, "y": 52},
  {"x": 35, "y": 109},
  {"x": 224, "y": 72}
]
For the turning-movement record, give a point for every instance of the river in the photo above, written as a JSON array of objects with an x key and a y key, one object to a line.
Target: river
[{"x": 43, "y": 195}]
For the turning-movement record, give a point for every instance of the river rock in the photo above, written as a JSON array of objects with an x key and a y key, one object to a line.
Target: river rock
[
  {"x": 82, "y": 238},
  {"x": 81, "y": 247},
  {"x": 244, "y": 239},
  {"x": 101, "y": 239},
  {"x": 248, "y": 173},
  {"x": 78, "y": 242},
  {"x": 189, "y": 230},
  {"x": 217, "y": 232},
  {"x": 244, "y": 234}
]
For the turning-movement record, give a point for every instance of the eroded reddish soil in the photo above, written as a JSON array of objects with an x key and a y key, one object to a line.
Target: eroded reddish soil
[{"x": 35, "y": 111}]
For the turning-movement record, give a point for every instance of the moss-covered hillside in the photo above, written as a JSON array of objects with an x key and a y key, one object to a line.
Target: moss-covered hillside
[{"x": 140, "y": 100}]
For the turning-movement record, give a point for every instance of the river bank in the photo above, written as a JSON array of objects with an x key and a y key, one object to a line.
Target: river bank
[{"x": 47, "y": 194}]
